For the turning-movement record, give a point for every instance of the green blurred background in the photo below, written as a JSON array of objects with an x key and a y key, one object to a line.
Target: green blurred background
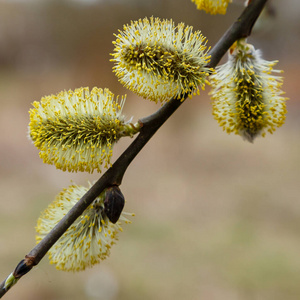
[{"x": 217, "y": 218}]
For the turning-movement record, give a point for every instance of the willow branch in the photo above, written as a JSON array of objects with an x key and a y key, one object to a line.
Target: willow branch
[{"x": 240, "y": 28}]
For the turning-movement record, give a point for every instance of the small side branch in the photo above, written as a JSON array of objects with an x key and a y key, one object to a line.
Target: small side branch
[{"x": 241, "y": 28}]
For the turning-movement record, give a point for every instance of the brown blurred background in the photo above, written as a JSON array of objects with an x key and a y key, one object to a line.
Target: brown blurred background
[{"x": 217, "y": 218}]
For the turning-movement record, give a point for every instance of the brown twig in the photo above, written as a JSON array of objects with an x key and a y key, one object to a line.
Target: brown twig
[{"x": 241, "y": 28}]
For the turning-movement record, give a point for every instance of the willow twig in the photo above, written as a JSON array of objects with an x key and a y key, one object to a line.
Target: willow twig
[{"x": 113, "y": 176}]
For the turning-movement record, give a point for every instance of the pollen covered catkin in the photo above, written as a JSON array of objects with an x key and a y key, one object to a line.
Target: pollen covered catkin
[
  {"x": 246, "y": 94},
  {"x": 159, "y": 61},
  {"x": 212, "y": 7},
  {"x": 76, "y": 130},
  {"x": 88, "y": 240}
]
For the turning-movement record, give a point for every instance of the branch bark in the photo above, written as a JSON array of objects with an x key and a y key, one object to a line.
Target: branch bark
[{"x": 240, "y": 28}]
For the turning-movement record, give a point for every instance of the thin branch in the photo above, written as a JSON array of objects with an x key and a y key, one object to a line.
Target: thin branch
[
  {"x": 241, "y": 28},
  {"x": 113, "y": 176}
]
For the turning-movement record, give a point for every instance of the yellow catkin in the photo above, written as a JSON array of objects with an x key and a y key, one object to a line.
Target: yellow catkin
[
  {"x": 247, "y": 96},
  {"x": 212, "y": 7},
  {"x": 159, "y": 61},
  {"x": 76, "y": 130},
  {"x": 88, "y": 240}
]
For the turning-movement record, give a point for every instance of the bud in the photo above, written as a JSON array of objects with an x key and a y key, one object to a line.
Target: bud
[
  {"x": 113, "y": 203},
  {"x": 159, "y": 61},
  {"x": 10, "y": 281},
  {"x": 23, "y": 267}
]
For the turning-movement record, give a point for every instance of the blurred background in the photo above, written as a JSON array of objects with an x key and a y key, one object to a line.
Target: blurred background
[{"x": 216, "y": 217}]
